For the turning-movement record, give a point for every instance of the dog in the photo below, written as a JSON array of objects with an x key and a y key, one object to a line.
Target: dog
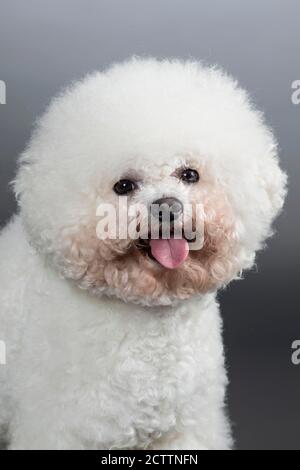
[{"x": 116, "y": 342}]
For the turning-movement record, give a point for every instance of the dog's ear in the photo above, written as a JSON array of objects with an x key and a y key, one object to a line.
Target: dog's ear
[
  {"x": 261, "y": 201},
  {"x": 30, "y": 187},
  {"x": 274, "y": 184}
]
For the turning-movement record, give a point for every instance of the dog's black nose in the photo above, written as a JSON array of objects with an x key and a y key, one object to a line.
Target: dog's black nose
[{"x": 167, "y": 208}]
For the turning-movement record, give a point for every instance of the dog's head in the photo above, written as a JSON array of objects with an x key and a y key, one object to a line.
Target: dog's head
[{"x": 144, "y": 147}]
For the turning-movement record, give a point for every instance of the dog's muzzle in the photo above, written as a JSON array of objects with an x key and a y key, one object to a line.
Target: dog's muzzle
[{"x": 166, "y": 209}]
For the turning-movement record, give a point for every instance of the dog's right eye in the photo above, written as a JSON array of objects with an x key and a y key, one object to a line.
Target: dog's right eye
[{"x": 123, "y": 187}]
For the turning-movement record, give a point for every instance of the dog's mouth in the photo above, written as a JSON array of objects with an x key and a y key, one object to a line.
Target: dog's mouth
[{"x": 169, "y": 252}]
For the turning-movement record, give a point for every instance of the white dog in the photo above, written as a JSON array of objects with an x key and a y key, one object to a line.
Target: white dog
[{"x": 116, "y": 343}]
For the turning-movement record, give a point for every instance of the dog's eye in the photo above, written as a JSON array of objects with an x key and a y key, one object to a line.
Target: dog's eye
[
  {"x": 123, "y": 187},
  {"x": 189, "y": 176}
]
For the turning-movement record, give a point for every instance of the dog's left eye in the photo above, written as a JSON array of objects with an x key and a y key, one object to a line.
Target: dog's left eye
[
  {"x": 123, "y": 187},
  {"x": 189, "y": 176}
]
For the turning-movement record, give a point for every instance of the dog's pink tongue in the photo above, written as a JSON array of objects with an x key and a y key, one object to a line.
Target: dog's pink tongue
[{"x": 170, "y": 253}]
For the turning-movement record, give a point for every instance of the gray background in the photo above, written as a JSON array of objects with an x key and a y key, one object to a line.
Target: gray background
[{"x": 45, "y": 45}]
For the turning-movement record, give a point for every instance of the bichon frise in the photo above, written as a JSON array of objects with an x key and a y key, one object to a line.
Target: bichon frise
[{"x": 115, "y": 342}]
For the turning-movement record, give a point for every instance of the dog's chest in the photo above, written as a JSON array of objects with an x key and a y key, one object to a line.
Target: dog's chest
[
  {"x": 125, "y": 373},
  {"x": 140, "y": 371}
]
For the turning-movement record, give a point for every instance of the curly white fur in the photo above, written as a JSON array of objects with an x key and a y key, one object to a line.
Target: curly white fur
[{"x": 104, "y": 355}]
